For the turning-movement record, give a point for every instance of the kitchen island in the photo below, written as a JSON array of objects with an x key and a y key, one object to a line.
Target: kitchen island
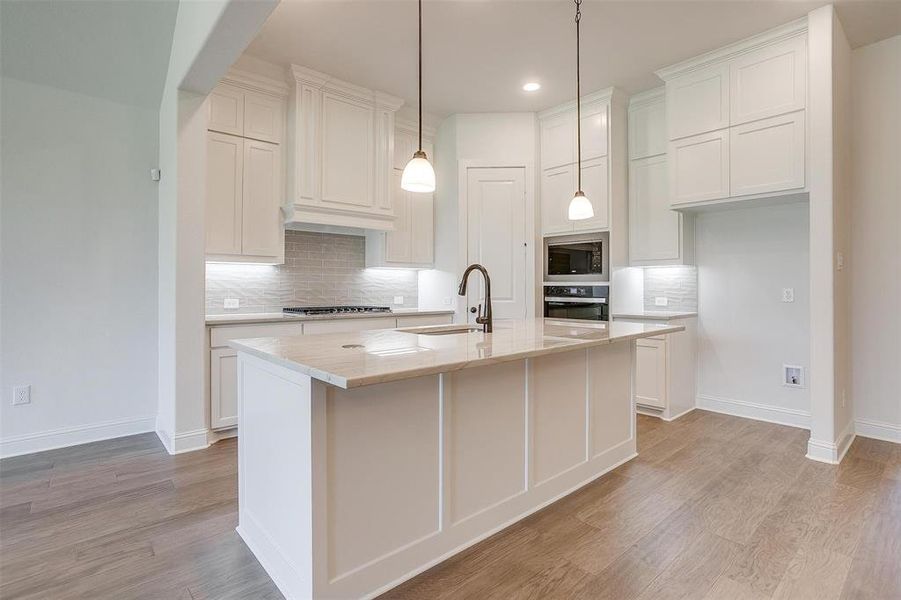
[{"x": 367, "y": 457}]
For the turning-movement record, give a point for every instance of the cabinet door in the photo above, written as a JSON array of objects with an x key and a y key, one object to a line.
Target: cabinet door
[
  {"x": 262, "y": 118},
  {"x": 261, "y": 231},
  {"x": 698, "y": 102},
  {"x": 557, "y": 189},
  {"x": 767, "y": 155},
  {"x": 347, "y": 145},
  {"x": 655, "y": 229},
  {"x": 699, "y": 168},
  {"x": 225, "y": 176},
  {"x": 558, "y": 140},
  {"x": 223, "y": 388},
  {"x": 594, "y": 184},
  {"x": 226, "y": 110},
  {"x": 650, "y": 372},
  {"x": 594, "y": 130},
  {"x": 422, "y": 228},
  {"x": 398, "y": 241},
  {"x": 770, "y": 81},
  {"x": 647, "y": 130},
  {"x": 404, "y": 146}
]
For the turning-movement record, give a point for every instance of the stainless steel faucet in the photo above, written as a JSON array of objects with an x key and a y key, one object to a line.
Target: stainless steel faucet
[{"x": 482, "y": 319}]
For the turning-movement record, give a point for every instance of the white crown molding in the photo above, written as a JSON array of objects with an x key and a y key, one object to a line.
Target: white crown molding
[
  {"x": 771, "y": 36},
  {"x": 255, "y": 82},
  {"x": 610, "y": 94},
  {"x": 641, "y": 99},
  {"x": 73, "y": 436},
  {"x": 324, "y": 82}
]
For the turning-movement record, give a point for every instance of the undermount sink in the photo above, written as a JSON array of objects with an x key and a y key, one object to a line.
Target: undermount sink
[{"x": 444, "y": 330}]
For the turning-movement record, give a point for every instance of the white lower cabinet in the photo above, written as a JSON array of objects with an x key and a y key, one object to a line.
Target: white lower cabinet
[
  {"x": 223, "y": 388},
  {"x": 665, "y": 371},
  {"x": 222, "y": 378}
]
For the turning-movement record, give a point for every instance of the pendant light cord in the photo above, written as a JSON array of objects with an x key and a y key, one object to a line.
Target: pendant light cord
[
  {"x": 578, "y": 100},
  {"x": 420, "y": 75}
]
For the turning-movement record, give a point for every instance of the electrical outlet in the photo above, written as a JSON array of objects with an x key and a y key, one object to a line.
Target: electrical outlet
[
  {"x": 398, "y": 299},
  {"x": 839, "y": 261},
  {"x": 21, "y": 395},
  {"x": 844, "y": 398},
  {"x": 447, "y": 302},
  {"x": 792, "y": 376},
  {"x": 788, "y": 294},
  {"x": 661, "y": 301},
  {"x": 232, "y": 303}
]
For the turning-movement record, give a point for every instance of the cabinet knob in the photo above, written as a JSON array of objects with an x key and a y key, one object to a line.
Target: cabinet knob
[{"x": 473, "y": 309}]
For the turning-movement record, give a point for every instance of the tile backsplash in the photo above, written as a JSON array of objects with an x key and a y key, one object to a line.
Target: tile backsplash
[
  {"x": 319, "y": 269},
  {"x": 678, "y": 284}
]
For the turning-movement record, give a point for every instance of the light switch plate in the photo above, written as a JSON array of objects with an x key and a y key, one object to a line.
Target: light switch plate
[
  {"x": 21, "y": 395},
  {"x": 232, "y": 303},
  {"x": 661, "y": 301},
  {"x": 788, "y": 294}
]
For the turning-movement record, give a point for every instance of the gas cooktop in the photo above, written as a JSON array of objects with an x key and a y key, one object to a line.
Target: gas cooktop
[{"x": 335, "y": 310}]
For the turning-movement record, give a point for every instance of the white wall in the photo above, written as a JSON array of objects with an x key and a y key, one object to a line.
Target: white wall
[
  {"x": 79, "y": 267},
  {"x": 876, "y": 238},
  {"x": 745, "y": 258}
]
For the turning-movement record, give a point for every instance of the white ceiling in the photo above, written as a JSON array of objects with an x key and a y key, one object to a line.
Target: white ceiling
[
  {"x": 112, "y": 49},
  {"x": 478, "y": 53}
]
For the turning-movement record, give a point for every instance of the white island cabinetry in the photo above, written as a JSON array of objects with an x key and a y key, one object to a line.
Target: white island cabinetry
[{"x": 367, "y": 457}]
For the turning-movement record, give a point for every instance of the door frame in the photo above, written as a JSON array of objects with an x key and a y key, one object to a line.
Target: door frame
[{"x": 531, "y": 224}]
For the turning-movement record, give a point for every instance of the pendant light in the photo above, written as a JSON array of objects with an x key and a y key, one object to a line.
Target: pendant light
[
  {"x": 418, "y": 175},
  {"x": 579, "y": 207}
]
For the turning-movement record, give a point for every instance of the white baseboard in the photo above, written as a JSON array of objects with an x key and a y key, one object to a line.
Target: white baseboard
[
  {"x": 214, "y": 435},
  {"x": 186, "y": 441},
  {"x": 72, "y": 436},
  {"x": 878, "y": 430},
  {"x": 831, "y": 452},
  {"x": 752, "y": 410}
]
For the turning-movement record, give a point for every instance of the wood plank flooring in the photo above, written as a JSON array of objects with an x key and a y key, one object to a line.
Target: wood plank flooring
[{"x": 714, "y": 508}]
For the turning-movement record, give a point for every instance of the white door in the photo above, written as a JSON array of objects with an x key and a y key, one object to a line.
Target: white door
[
  {"x": 655, "y": 229},
  {"x": 261, "y": 232},
  {"x": 496, "y": 238},
  {"x": 224, "y": 190}
]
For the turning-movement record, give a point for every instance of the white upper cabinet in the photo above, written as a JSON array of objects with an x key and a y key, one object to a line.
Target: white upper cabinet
[
  {"x": 658, "y": 235},
  {"x": 341, "y": 152},
  {"x": 558, "y": 151},
  {"x": 736, "y": 120},
  {"x": 245, "y": 191},
  {"x": 699, "y": 167},
  {"x": 698, "y": 101},
  {"x": 769, "y": 81},
  {"x": 767, "y": 155},
  {"x": 411, "y": 243},
  {"x": 225, "y": 107}
]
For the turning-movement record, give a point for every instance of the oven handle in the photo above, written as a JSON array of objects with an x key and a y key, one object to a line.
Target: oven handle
[{"x": 576, "y": 300}]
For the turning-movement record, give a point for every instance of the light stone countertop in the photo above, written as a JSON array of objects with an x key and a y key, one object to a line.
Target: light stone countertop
[
  {"x": 277, "y": 317},
  {"x": 355, "y": 359},
  {"x": 656, "y": 315}
]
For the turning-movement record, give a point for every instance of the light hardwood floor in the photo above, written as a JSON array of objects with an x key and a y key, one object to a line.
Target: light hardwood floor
[{"x": 715, "y": 507}]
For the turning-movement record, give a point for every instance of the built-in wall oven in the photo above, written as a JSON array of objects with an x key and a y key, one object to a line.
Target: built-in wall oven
[
  {"x": 577, "y": 258},
  {"x": 587, "y": 302}
]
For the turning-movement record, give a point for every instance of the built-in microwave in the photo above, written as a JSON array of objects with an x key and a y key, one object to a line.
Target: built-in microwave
[{"x": 577, "y": 258}]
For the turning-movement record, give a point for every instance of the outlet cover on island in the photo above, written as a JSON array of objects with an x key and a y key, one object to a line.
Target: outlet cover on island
[
  {"x": 232, "y": 303},
  {"x": 661, "y": 301},
  {"x": 398, "y": 299}
]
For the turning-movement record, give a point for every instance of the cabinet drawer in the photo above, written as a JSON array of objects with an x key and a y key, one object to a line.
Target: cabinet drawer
[
  {"x": 698, "y": 102},
  {"x": 768, "y": 82},
  {"x": 699, "y": 168},
  {"x": 219, "y": 336},
  {"x": 423, "y": 320},
  {"x": 767, "y": 155},
  {"x": 313, "y": 327}
]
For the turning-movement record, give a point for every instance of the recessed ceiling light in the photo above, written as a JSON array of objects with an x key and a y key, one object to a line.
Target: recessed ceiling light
[{"x": 532, "y": 86}]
